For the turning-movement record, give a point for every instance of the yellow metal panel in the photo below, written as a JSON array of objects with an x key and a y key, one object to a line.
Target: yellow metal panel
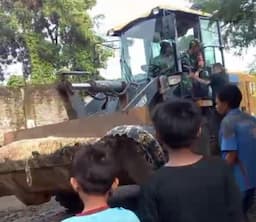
[
  {"x": 148, "y": 13},
  {"x": 246, "y": 84}
]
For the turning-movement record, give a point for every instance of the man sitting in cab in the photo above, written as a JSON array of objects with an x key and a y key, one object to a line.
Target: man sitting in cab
[{"x": 164, "y": 64}]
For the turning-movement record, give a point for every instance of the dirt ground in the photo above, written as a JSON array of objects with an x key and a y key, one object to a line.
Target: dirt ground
[{"x": 11, "y": 210}]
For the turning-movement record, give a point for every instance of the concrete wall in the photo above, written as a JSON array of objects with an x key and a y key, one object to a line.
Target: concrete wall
[{"x": 29, "y": 107}]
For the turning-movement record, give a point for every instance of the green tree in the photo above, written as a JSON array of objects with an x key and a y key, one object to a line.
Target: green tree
[
  {"x": 238, "y": 18},
  {"x": 16, "y": 81},
  {"x": 48, "y": 35}
]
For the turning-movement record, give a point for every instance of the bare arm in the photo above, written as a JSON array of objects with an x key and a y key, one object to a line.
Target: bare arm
[
  {"x": 228, "y": 140},
  {"x": 196, "y": 77},
  {"x": 206, "y": 82},
  {"x": 231, "y": 158}
]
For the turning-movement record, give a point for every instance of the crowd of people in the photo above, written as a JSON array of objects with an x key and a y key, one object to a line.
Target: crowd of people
[{"x": 189, "y": 187}]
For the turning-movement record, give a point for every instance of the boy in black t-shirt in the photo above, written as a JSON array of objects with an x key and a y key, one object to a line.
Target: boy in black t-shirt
[{"x": 190, "y": 187}]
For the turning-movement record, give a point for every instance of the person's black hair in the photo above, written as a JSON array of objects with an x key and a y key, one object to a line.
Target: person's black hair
[
  {"x": 219, "y": 66},
  {"x": 193, "y": 43},
  {"x": 230, "y": 94},
  {"x": 164, "y": 45},
  {"x": 177, "y": 123},
  {"x": 94, "y": 168}
]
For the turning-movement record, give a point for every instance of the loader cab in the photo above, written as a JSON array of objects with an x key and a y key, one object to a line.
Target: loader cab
[{"x": 141, "y": 39}]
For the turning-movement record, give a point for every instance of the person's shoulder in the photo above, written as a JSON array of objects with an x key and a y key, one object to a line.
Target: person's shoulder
[
  {"x": 247, "y": 121},
  {"x": 155, "y": 179},
  {"x": 215, "y": 162},
  {"x": 228, "y": 119},
  {"x": 71, "y": 219},
  {"x": 239, "y": 118},
  {"x": 248, "y": 117},
  {"x": 214, "y": 159},
  {"x": 218, "y": 166},
  {"x": 158, "y": 174},
  {"x": 125, "y": 215},
  {"x": 117, "y": 214}
]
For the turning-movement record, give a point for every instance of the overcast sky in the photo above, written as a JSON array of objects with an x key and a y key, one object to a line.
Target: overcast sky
[{"x": 119, "y": 11}]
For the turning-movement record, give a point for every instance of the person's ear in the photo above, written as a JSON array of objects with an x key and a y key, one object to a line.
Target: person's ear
[
  {"x": 115, "y": 184},
  {"x": 74, "y": 184},
  {"x": 199, "y": 133},
  {"x": 226, "y": 107},
  {"x": 158, "y": 138}
]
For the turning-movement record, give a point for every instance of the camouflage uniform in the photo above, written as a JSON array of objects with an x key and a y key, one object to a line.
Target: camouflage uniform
[
  {"x": 160, "y": 63},
  {"x": 189, "y": 60},
  {"x": 190, "y": 63},
  {"x": 186, "y": 85}
]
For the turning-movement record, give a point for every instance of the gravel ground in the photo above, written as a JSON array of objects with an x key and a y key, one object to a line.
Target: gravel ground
[{"x": 11, "y": 210}]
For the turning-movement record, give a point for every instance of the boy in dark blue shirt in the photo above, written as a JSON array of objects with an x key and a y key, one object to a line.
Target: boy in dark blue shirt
[{"x": 238, "y": 141}]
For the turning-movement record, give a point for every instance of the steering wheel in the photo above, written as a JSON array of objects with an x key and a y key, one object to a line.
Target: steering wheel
[{"x": 156, "y": 70}]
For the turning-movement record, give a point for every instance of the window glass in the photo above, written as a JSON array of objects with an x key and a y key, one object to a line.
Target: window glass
[{"x": 211, "y": 42}]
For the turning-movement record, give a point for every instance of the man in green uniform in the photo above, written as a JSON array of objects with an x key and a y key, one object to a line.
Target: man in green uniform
[
  {"x": 163, "y": 64},
  {"x": 192, "y": 64}
]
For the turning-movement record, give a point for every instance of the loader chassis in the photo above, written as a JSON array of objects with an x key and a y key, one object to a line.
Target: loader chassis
[{"x": 116, "y": 110}]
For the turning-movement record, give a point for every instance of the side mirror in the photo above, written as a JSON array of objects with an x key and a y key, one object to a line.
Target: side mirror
[{"x": 174, "y": 80}]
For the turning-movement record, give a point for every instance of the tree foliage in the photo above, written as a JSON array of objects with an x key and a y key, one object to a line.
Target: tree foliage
[
  {"x": 16, "y": 81},
  {"x": 238, "y": 18},
  {"x": 47, "y": 35}
]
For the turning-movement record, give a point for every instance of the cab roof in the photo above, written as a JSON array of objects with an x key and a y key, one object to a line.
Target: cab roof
[{"x": 135, "y": 19}]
